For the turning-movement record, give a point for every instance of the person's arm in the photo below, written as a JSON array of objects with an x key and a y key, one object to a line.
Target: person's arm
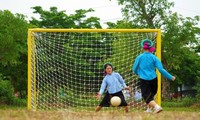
[
  {"x": 135, "y": 66},
  {"x": 160, "y": 68},
  {"x": 121, "y": 80},
  {"x": 103, "y": 86}
]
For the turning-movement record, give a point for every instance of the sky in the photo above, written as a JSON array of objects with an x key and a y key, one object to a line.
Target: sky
[{"x": 106, "y": 10}]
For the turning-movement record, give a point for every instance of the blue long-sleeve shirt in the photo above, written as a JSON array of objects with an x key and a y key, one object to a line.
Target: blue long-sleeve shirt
[
  {"x": 145, "y": 65},
  {"x": 114, "y": 83}
]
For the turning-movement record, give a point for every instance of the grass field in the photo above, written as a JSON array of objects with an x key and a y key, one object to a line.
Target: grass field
[{"x": 167, "y": 114}]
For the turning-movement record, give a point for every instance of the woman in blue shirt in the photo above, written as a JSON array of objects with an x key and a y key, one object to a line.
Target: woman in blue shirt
[
  {"x": 144, "y": 66},
  {"x": 114, "y": 82}
]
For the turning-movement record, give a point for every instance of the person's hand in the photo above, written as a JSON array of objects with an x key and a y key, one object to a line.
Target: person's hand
[
  {"x": 173, "y": 78},
  {"x": 98, "y": 96},
  {"x": 127, "y": 88}
]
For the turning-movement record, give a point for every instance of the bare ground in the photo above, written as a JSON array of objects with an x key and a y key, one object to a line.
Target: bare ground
[{"x": 102, "y": 115}]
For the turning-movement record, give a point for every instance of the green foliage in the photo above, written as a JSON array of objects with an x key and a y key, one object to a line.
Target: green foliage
[
  {"x": 19, "y": 102},
  {"x": 59, "y": 19},
  {"x": 6, "y": 94},
  {"x": 120, "y": 46},
  {"x": 145, "y": 13},
  {"x": 63, "y": 96},
  {"x": 180, "y": 37},
  {"x": 6, "y": 91},
  {"x": 13, "y": 33},
  {"x": 178, "y": 54},
  {"x": 183, "y": 102},
  {"x": 13, "y": 49},
  {"x": 122, "y": 24},
  {"x": 197, "y": 86}
]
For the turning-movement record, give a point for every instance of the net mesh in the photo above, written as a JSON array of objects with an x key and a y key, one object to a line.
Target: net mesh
[{"x": 67, "y": 68}]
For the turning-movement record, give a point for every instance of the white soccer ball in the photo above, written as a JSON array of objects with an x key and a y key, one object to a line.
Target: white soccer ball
[{"x": 115, "y": 101}]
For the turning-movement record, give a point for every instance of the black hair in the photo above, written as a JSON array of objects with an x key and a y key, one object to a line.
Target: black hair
[{"x": 106, "y": 64}]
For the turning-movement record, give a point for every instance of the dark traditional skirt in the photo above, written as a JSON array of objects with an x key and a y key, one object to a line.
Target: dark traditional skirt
[{"x": 106, "y": 99}]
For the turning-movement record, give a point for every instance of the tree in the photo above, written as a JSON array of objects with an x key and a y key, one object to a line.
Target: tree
[
  {"x": 12, "y": 36},
  {"x": 13, "y": 49},
  {"x": 59, "y": 19},
  {"x": 72, "y": 43},
  {"x": 178, "y": 33},
  {"x": 145, "y": 13}
]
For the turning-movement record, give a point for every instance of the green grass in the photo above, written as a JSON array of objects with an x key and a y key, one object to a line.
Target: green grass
[{"x": 9, "y": 107}]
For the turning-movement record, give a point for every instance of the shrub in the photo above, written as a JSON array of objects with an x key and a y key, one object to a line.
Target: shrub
[
  {"x": 19, "y": 102},
  {"x": 6, "y": 92}
]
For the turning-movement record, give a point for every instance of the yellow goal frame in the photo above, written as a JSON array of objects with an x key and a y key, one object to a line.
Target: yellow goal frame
[{"x": 30, "y": 53}]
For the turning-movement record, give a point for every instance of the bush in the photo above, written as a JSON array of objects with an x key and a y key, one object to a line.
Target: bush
[
  {"x": 188, "y": 101},
  {"x": 6, "y": 92},
  {"x": 19, "y": 102}
]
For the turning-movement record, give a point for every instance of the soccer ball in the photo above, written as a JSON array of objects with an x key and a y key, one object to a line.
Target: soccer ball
[{"x": 115, "y": 101}]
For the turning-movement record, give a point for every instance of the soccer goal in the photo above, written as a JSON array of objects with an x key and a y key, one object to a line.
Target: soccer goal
[{"x": 65, "y": 66}]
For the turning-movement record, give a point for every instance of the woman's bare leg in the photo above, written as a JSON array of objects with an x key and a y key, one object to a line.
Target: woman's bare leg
[
  {"x": 126, "y": 109},
  {"x": 98, "y": 108}
]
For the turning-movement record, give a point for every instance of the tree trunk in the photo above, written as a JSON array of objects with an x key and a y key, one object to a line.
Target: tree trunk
[{"x": 165, "y": 89}]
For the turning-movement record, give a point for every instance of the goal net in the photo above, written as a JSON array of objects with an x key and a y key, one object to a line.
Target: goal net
[{"x": 65, "y": 66}]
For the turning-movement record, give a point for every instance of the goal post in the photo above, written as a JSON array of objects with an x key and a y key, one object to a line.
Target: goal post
[{"x": 65, "y": 66}]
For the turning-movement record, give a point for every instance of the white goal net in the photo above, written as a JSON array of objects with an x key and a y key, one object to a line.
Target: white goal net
[{"x": 65, "y": 67}]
